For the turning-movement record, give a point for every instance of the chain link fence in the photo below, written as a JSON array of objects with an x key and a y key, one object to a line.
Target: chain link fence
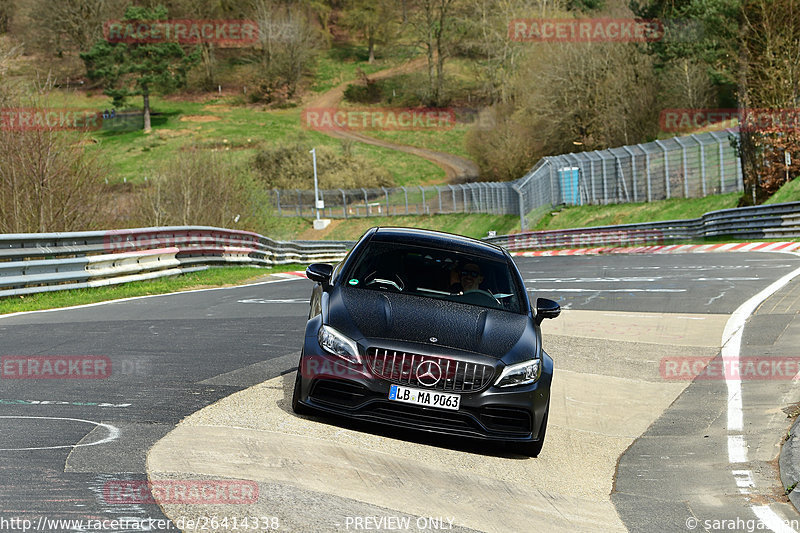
[{"x": 681, "y": 167}]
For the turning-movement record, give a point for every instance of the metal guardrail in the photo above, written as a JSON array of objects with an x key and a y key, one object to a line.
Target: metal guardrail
[
  {"x": 758, "y": 222},
  {"x": 44, "y": 262}
]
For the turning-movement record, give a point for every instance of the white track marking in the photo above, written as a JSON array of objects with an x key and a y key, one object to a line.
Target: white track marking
[
  {"x": 113, "y": 433},
  {"x": 634, "y": 289},
  {"x": 771, "y": 520},
  {"x": 744, "y": 480},
  {"x": 95, "y": 304},
  {"x": 737, "y": 445},
  {"x": 266, "y": 301},
  {"x": 737, "y": 449}
]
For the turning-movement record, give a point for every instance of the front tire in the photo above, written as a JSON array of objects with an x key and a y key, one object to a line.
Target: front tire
[{"x": 298, "y": 407}]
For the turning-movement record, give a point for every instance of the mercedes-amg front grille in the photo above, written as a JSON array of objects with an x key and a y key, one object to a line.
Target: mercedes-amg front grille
[{"x": 438, "y": 373}]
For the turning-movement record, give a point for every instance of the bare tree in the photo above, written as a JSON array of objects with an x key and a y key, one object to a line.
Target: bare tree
[
  {"x": 6, "y": 14},
  {"x": 686, "y": 84},
  {"x": 198, "y": 189},
  {"x": 288, "y": 44},
  {"x": 507, "y": 150},
  {"x": 48, "y": 182},
  {"x": 496, "y": 57},
  {"x": 772, "y": 38},
  {"x": 433, "y": 25},
  {"x": 72, "y": 23},
  {"x": 568, "y": 97},
  {"x": 8, "y": 89},
  {"x": 594, "y": 95},
  {"x": 375, "y": 20},
  {"x": 768, "y": 78}
]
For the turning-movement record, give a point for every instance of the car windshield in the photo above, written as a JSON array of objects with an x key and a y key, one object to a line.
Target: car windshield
[{"x": 434, "y": 273}]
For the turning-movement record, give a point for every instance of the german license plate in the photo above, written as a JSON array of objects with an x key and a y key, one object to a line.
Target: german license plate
[{"x": 440, "y": 400}]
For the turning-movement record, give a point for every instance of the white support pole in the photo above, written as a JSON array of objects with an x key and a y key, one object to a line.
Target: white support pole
[{"x": 313, "y": 152}]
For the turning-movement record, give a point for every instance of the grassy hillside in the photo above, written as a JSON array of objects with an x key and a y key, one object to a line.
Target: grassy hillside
[
  {"x": 603, "y": 215},
  {"x": 471, "y": 225},
  {"x": 214, "y": 125},
  {"x": 790, "y": 192}
]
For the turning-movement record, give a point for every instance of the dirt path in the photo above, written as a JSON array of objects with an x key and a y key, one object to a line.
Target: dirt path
[{"x": 457, "y": 169}]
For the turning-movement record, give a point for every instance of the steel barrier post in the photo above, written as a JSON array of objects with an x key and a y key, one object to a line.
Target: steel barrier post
[
  {"x": 522, "y": 224},
  {"x": 702, "y": 163},
  {"x": 633, "y": 173},
  {"x": 605, "y": 179},
  {"x": 721, "y": 165},
  {"x": 685, "y": 168},
  {"x": 647, "y": 170},
  {"x": 666, "y": 168}
]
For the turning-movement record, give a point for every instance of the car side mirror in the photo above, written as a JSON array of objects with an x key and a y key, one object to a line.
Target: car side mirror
[
  {"x": 320, "y": 272},
  {"x": 546, "y": 308}
]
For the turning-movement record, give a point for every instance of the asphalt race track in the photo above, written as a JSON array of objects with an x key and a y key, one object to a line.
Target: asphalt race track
[{"x": 189, "y": 370}]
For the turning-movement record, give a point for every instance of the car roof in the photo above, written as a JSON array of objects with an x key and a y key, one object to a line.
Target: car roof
[{"x": 438, "y": 239}]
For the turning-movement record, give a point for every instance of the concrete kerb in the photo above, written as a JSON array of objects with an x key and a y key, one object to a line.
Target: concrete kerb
[{"x": 670, "y": 249}]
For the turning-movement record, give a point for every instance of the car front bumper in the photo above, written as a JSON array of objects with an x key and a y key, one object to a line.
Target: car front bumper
[{"x": 329, "y": 384}]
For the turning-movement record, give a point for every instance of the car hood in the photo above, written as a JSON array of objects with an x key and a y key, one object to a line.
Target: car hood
[{"x": 401, "y": 317}]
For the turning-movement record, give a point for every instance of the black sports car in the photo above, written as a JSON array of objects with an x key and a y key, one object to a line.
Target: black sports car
[{"x": 429, "y": 331}]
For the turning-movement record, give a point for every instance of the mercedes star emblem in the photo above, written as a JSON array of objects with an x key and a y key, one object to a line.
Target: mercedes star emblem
[{"x": 429, "y": 373}]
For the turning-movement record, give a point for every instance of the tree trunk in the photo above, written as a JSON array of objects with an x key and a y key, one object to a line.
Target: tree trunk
[
  {"x": 371, "y": 42},
  {"x": 440, "y": 50},
  {"x": 146, "y": 97},
  {"x": 432, "y": 96},
  {"x": 747, "y": 146},
  {"x": 208, "y": 66}
]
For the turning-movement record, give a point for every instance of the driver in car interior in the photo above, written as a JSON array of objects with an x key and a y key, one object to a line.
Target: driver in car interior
[{"x": 470, "y": 278}]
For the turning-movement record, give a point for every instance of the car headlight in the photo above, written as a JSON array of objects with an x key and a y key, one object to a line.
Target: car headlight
[
  {"x": 523, "y": 373},
  {"x": 337, "y": 344}
]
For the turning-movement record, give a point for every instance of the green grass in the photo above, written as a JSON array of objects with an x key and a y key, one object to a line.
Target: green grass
[
  {"x": 238, "y": 131},
  {"x": 224, "y": 124},
  {"x": 406, "y": 169},
  {"x": 213, "y": 277},
  {"x": 790, "y": 192},
  {"x": 403, "y": 90},
  {"x": 604, "y": 215},
  {"x": 470, "y": 225},
  {"x": 341, "y": 64},
  {"x": 450, "y": 141}
]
